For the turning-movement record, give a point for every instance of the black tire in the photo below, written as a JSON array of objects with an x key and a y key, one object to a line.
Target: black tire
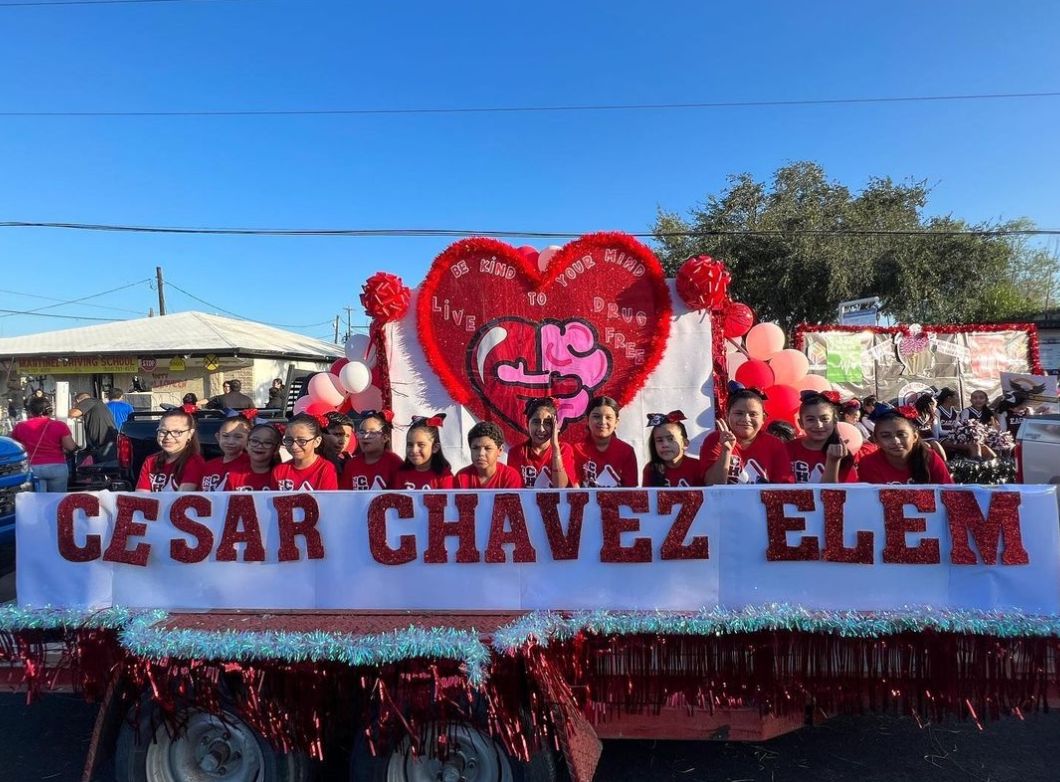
[
  {"x": 210, "y": 749},
  {"x": 491, "y": 762}
]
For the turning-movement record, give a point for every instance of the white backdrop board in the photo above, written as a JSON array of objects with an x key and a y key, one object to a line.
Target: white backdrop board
[{"x": 844, "y": 547}]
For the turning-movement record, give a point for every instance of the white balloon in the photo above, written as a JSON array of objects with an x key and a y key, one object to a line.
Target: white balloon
[
  {"x": 360, "y": 348},
  {"x": 325, "y": 387},
  {"x": 545, "y": 256},
  {"x": 355, "y": 377}
]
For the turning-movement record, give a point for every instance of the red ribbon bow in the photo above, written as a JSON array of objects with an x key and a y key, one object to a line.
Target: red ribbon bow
[
  {"x": 435, "y": 420},
  {"x": 386, "y": 415},
  {"x": 831, "y": 396},
  {"x": 909, "y": 412},
  {"x": 322, "y": 420},
  {"x": 189, "y": 408},
  {"x": 250, "y": 414},
  {"x": 658, "y": 419}
]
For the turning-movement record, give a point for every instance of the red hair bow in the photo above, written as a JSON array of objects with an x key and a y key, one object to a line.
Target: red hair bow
[
  {"x": 250, "y": 414},
  {"x": 189, "y": 408},
  {"x": 658, "y": 419},
  {"x": 910, "y": 412},
  {"x": 322, "y": 420},
  {"x": 831, "y": 396},
  {"x": 435, "y": 420},
  {"x": 386, "y": 415}
]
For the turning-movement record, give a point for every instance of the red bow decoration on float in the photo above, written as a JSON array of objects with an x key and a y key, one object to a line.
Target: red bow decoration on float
[
  {"x": 386, "y": 415},
  {"x": 189, "y": 408},
  {"x": 735, "y": 386},
  {"x": 811, "y": 396},
  {"x": 385, "y": 297},
  {"x": 435, "y": 420},
  {"x": 658, "y": 419}
]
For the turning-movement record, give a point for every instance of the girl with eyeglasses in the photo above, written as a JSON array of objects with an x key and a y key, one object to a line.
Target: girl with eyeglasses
[
  {"x": 374, "y": 465},
  {"x": 263, "y": 452},
  {"x": 232, "y": 439},
  {"x": 738, "y": 450},
  {"x": 307, "y": 470},
  {"x": 179, "y": 465}
]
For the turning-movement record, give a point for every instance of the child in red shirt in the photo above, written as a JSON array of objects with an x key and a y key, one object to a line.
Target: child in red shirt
[
  {"x": 374, "y": 465},
  {"x": 903, "y": 457},
  {"x": 179, "y": 465},
  {"x": 307, "y": 470},
  {"x": 738, "y": 451},
  {"x": 263, "y": 447},
  {"x": 220, "y": 473},
  {"x": 424, "y": 467},
  {"x": 542, "y": 460},
  {"x": 486, "y": 440},
  {"x": 818, "y": 456},
  {"x": 601, "y": 460},
  {"x": 670, "y": 463}
]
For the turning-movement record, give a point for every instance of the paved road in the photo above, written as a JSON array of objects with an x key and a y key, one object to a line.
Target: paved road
[{"x": 46, "y": 742}]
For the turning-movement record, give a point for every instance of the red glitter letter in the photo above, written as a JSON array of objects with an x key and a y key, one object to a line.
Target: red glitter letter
[
  {"x": 381, "y": 551},
  {"x": 125, "y": 528},
  {"x": 1002, "y": 524},
  {"x": 834, "y": 549},
  {"x": 563, "y": 545},
  {"x": 290, "y": 529},
  {"x": 674, "y": 546},
  {"x": 897, "y": 525},
  {"x": 613, "y": 525},
  {"x": 509, "y": 508},
  {"x": 64, "y": 528},
  {"x": 178, "y": 517},
  {"x": 438, "y": 529},
  {"x": 778, "y": 526},
  {"x": 241, "y": 526}
]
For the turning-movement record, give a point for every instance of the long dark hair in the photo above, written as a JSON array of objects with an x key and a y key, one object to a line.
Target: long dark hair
[
  {"x": 439, "y": 464},
  {"x": 919, "y": 454},
  {"x": 192, "y": 448}
]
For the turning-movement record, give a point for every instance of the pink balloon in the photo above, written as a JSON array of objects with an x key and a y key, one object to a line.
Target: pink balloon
[
  {"x": 369, "y": 399},
  {"x": 754, "y": 373},
  {"x": 813, "y": 383},
  {"x": 325, "y": 387},
  {"x": 789, "y": 366},
  {"x": 546, "y": 255},
  {"x": 763, "y": 340},
  {"x": 301, "y": 403},
  {"x": 851, "y": 436}
]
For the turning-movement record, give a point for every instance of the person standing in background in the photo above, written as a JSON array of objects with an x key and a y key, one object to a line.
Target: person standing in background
[
  {"x": 47, "y": 442},
  {"x": 118, "y": 407},
  {"x": 276, "y": 394},
  {"x": 101, "y": 435}
]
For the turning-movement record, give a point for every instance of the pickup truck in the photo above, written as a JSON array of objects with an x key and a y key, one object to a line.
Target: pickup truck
[
  {"x": 137, "y": 441},
  {"x": 14, "y": 478}
]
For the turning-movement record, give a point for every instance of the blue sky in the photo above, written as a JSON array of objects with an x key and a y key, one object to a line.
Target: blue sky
[{"x": 571, "y": 172}]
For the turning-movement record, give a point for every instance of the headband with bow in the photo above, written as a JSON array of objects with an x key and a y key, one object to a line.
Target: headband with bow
[
  {"x": 189, "y": 408},
  {"x": 735, "y": 386},
  {"x": 435, "y": 420},
  {"x": 658, "y": 419},
  {"x": 814, "y": 396},
  {"x": 884, "y": 410},
  {"x": 386, "y": 415},
  {"x": 535, "y": 402}
]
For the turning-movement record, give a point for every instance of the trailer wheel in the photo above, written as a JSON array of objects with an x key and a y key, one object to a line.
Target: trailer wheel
[
  {"x": 473, "y": 757},
  {"x": 211, "y": 748}
]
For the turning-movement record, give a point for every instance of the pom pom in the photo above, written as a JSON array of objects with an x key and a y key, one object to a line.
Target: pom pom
[
  {"x": 385, "y": 297},
  {"x": 703, "y": 283}
]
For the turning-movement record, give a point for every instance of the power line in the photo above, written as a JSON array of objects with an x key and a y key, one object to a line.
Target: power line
[
  {"x": 171, "y": 284},
  {"x": 9, "y": 313},
  {"x": 63, "y": 301},
  {"x": 83, "y": 298},
  {"x": 572, "y": 108},
  {"x": 509, "y": 234}
]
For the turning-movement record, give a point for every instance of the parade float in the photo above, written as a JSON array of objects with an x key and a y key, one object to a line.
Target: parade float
[{"x": 454, "y": 635}]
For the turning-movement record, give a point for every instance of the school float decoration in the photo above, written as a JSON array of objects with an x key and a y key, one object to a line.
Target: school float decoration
[
  {"x": 589, "y": 605},
  {"x": 901, "y": 362}
]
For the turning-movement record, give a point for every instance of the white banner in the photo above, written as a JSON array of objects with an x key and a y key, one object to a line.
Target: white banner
[{"x": 841, "y": 547}]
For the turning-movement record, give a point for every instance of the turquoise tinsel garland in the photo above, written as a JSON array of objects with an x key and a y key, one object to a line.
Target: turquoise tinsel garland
[
  {"x": 544, "y": 627},
  {"x": 14, "y": 618},
  {"x": 318, "y": 646}
]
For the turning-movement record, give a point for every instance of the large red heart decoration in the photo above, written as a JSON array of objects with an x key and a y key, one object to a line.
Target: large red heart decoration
[{"x": 499, "y": 332}]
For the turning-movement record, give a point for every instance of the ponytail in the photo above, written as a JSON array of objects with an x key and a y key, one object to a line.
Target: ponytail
[{"x": 919, "y": 458}]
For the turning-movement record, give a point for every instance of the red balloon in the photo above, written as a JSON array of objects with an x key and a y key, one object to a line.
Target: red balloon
[
  {"x": 782, "y": 403},
  {"x": 338, "y": 365},
  {"x": 738, "y": 319},
  {"x": 319, "y": 408},
  {"x": 529, "y": 252},
  {"x": 754, "y": 373}
]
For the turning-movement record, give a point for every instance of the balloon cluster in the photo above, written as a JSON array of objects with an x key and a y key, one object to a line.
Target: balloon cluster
[
  {"x": 763, "y": 361},
  {"x": 350, "y": 383}
]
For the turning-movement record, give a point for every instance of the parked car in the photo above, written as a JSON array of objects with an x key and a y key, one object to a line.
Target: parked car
[{"x": 15, "y": 477}]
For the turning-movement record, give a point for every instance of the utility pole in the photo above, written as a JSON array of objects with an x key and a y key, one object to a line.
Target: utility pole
[
  {"x": 349, "y": 325},
  {"x": 336, "y": 330},
  {"x": 161, "y": 291}
]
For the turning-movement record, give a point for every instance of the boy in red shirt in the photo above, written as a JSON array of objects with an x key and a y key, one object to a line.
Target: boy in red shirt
[{"x": 486, "y": 440}]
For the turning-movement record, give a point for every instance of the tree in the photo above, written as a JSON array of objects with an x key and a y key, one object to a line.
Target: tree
[{"x": 794, "y": 259}]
